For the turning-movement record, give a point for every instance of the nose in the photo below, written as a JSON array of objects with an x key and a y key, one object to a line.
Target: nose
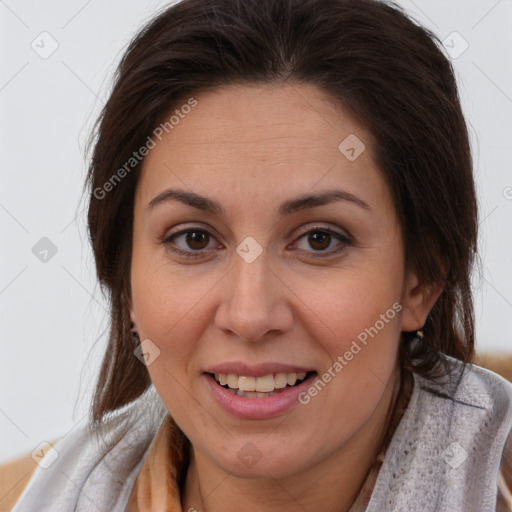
[{"x": 254, "y": 305}]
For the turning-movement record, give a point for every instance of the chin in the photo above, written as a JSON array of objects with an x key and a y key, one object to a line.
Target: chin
[{"x": 260, "y": 459}]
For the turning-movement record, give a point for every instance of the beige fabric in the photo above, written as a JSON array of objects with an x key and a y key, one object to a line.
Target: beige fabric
[{"x": 156, "y": 487}]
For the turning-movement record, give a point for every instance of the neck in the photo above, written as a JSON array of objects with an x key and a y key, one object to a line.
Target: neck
[{"x": 332, "y": 484}]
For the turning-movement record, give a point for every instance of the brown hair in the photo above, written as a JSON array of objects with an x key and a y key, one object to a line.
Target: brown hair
[{"x": 365, "y": 54}]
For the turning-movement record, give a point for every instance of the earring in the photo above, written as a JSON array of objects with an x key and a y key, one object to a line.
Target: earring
[{"x": 419, "y": 335}]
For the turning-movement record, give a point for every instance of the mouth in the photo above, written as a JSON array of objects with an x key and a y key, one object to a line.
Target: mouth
[{"x": 260, "y": 387}]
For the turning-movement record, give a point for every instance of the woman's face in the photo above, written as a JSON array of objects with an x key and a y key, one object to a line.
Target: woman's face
[{"x": 262, "y": 251}]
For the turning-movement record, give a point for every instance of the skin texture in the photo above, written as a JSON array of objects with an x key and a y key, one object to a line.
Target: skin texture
[{"x": 250, "y": 148}]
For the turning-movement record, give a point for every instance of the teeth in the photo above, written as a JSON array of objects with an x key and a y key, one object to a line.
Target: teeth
[
  {"x": 292, "y": 379},
  {"x": 264, "y": 384},
  {"x": 247, "y": 385},
  {"x": 232, "y": 381},
  {"x": 280, "y": 380}
]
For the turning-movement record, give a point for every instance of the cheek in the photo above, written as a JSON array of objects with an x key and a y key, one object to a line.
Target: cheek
[
  {"x": 160, "y": 310},
  {"x": 354, "y": 317},
  {"x": 160, "y": 297},
  {"x": 172, "y": 307},
  {"x": 169, "y": 311},
  {"x": 342, "y": 306}
]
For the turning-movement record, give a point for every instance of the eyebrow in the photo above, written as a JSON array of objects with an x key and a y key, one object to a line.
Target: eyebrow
[{"x": 289, "y": 207}]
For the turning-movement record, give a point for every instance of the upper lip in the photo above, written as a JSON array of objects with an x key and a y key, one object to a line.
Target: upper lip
[{"x": 256, "y": 370}]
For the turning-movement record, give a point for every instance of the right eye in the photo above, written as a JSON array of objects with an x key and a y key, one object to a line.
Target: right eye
[{"x": 190, "y": 243}]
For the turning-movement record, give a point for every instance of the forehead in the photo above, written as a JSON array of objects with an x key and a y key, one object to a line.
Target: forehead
[
  {"x": 264, "y": 138},
  {"x": 271, "y": 115}
]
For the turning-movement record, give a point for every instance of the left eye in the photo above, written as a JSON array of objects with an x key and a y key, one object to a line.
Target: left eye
[{"x": 321, "y": 240}]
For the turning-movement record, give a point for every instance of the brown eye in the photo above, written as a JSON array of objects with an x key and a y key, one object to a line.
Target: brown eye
[
  {"x": 197, "y": 239},
  {"x": 190, "y": 243},
  {"x": 323, "y": 242},
  {"x": 319, "y": 240}
]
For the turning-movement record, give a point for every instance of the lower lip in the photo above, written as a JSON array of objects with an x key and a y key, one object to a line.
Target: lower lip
[{"x": 257, "y": 408}]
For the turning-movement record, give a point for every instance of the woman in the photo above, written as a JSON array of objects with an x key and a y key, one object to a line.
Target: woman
[{"x": 282, "y": 210}]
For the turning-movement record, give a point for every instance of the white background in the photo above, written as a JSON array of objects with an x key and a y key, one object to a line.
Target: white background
[{"x": 53, "y": 314}]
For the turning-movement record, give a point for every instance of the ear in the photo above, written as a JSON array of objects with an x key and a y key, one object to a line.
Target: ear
[
  {"x": 417, "y": 301},
  {"x": 133, "y": 319}
]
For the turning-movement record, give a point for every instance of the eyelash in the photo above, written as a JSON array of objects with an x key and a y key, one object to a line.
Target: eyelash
[{"x": 345, "y": 241}]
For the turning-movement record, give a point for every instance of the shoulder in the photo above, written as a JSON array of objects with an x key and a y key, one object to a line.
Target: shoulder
[
  {"x": 93, "y": 460},
  {"x": 450, "y": 445},
  {"x": 481, "y": 415},
  {"x": 15, "y": 475},
  {"x": 474, "y": 387},
  {"x": 485, "y": 388},
  {"x": 491, "y": 389},
  {"x": 477, "y": 401}
]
